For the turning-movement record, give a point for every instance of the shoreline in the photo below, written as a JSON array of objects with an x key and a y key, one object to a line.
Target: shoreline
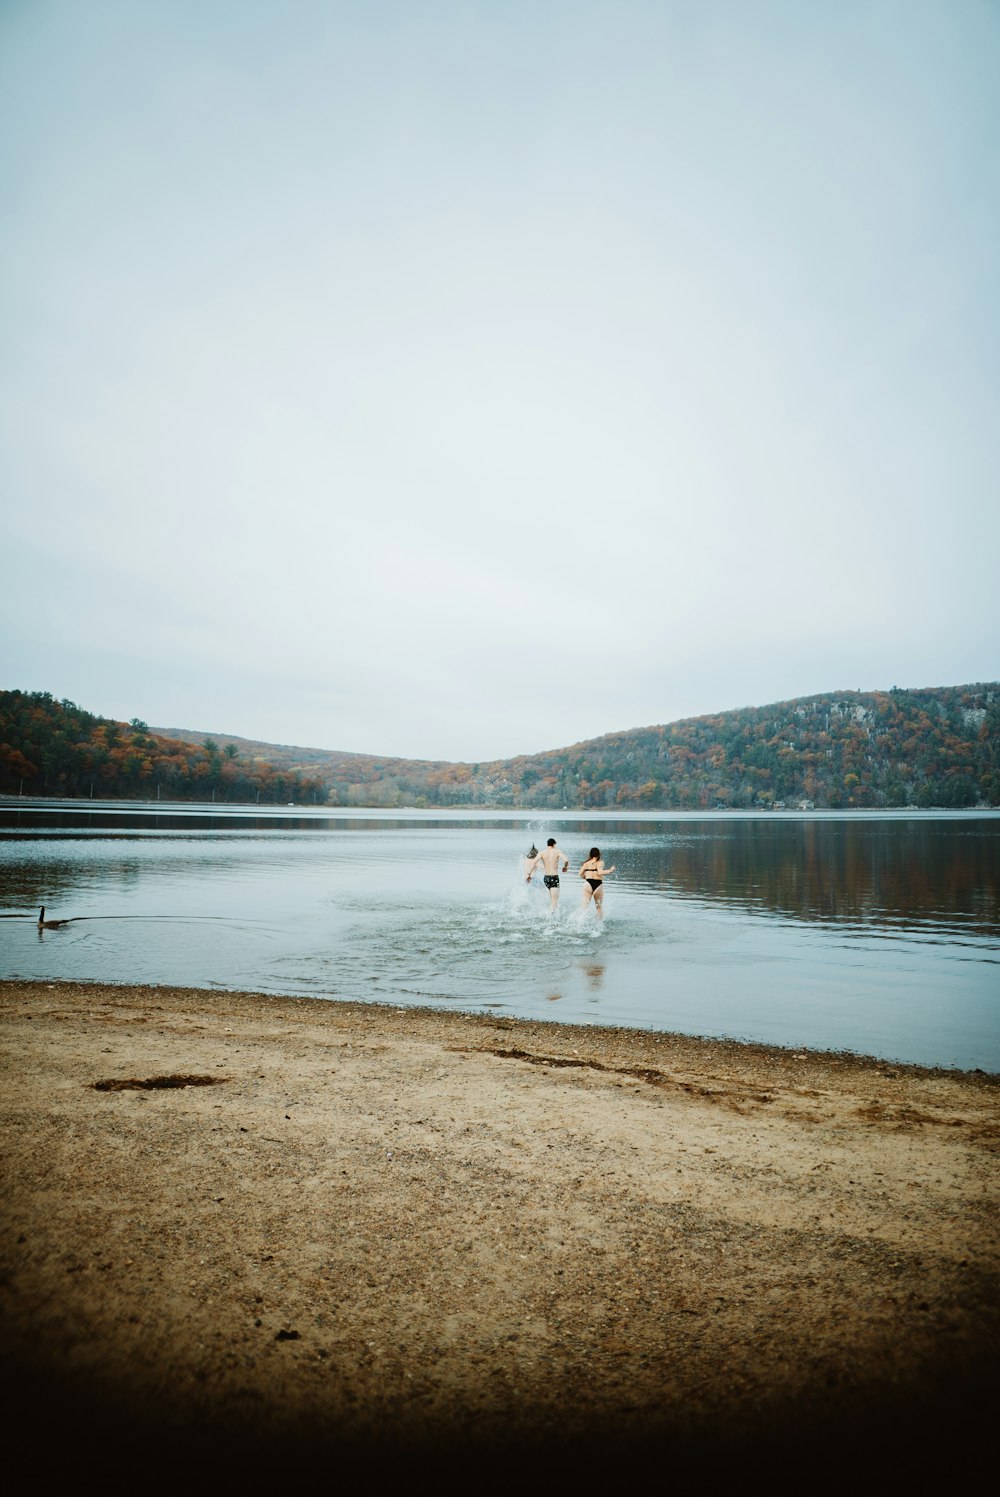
[
  {"x": 473, "y": 809},
  {"x": 759, "y": 1051},
  {"x": 398, "y": 1229}
]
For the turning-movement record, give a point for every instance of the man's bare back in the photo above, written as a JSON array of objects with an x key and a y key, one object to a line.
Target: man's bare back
[{"x": 550, "y": 858}]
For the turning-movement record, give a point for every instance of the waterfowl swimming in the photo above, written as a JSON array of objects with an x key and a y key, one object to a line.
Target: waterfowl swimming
[{"x": 44, "y": 924}]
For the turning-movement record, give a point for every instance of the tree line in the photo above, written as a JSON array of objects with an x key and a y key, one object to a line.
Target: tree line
[
  {"x": 50, "y": 747},
  {"x": 927, "y": 747},
  {"x": 934, "y": 746}
]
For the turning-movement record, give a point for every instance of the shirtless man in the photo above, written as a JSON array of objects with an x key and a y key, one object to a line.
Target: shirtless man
[{"x": 550, "y": 857}]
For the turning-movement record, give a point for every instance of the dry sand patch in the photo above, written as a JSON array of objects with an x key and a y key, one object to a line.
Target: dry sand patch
[{"x": 407, "y": 1230}]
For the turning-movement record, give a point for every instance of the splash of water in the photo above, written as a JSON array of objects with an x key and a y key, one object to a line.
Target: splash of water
[{"x": 526, "y": 910}]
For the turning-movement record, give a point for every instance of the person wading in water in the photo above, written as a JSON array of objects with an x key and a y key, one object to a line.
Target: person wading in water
[
  {"x": 550, "y": 857},
  {"x": 594, "y": 873}
]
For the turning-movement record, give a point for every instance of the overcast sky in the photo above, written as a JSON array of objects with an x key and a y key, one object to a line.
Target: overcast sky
[{"x": 456, "y": 380}]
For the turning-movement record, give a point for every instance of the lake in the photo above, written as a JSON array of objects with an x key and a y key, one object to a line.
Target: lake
[{"x": 872, "y": 932}]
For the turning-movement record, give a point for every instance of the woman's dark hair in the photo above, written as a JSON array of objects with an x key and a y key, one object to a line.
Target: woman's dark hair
[
  {"x": 595, "y": 852},
  {"x": 532, "y": 851}
]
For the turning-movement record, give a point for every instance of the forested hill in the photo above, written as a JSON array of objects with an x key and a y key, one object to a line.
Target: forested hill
[
  {"x": 935, "y": 746},
  {"x": 57, "y": 748}
]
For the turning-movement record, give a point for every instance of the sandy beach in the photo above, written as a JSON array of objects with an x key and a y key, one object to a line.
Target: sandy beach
[{"x": 336, "y": 1228}]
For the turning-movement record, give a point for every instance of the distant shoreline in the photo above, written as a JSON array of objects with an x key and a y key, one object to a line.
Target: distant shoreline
[{"x": 547, "y": 813}]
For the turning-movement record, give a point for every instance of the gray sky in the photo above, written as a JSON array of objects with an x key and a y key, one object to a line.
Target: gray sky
[{"x": 463, "y": 379}]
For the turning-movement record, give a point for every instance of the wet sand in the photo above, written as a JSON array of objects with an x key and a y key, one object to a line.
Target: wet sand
[{"x": 485, "y": 1244}]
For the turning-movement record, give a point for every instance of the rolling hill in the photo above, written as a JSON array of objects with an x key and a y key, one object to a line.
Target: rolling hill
[{"x": 932, "y": 746}]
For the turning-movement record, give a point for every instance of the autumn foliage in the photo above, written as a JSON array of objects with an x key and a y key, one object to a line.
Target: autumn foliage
[
  {"x": 936, "y": 746},
  {"x": 49, "y": 747}
]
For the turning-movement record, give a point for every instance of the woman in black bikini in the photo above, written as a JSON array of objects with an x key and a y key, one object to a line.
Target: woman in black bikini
[{"x": 594, "y": 873}]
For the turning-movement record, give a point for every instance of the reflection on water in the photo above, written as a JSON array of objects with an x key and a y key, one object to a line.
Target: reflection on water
[
  {"x": 879, "y": 934},
  {"x": 872, "y": 873}
]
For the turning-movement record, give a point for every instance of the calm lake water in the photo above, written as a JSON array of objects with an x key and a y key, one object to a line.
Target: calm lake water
[{"x": 874, "y": 933}]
